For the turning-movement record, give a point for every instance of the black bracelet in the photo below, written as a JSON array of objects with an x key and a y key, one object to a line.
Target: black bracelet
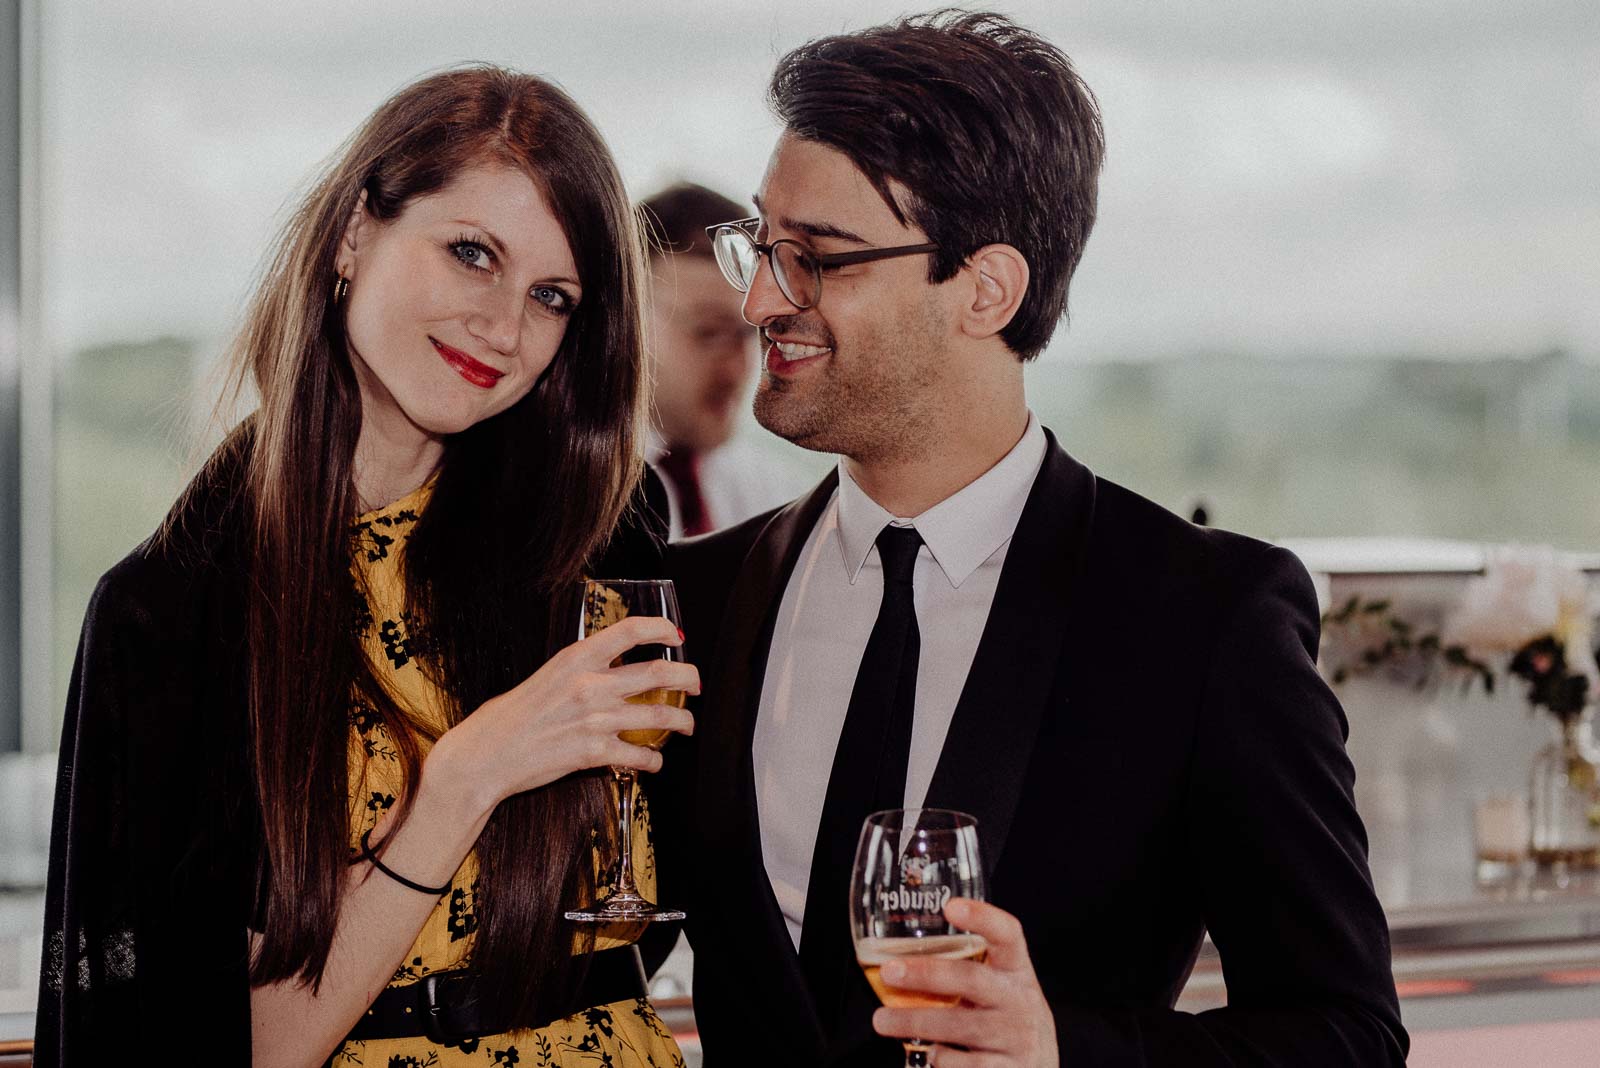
[{"x": 368, "y": 854}]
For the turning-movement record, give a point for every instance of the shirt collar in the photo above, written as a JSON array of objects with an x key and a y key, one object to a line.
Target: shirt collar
[{"x": 961, "y": 531}]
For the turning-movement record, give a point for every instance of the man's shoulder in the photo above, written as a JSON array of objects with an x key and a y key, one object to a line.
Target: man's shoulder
[{"x": 1136, "y": 538}]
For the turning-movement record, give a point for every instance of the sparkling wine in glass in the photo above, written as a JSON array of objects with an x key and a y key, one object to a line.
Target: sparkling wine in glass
[
  {"x": 605, "y": 602},
  {"x": 909, "y": 864}
]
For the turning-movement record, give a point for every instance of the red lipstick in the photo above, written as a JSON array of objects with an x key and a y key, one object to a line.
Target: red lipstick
[{"x": 478, "y": 373}]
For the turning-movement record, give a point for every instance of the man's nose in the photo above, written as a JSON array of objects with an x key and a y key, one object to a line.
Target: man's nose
[{"x": 765, "y": 300}]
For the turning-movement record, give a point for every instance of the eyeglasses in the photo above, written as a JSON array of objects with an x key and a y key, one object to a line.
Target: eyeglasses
[{"x": 797, "y": 270}]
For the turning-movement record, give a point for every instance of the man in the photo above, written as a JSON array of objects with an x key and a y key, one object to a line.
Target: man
[
  {"x": 1128, "y": 703},
  {"x": 702, "y": 357}
]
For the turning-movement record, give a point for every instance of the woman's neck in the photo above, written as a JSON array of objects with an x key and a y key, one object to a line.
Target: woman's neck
[{"x": 390, "y": 465}]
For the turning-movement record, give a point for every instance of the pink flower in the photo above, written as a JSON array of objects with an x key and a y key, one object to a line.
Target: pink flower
[{"x": 1524, "y": 592}]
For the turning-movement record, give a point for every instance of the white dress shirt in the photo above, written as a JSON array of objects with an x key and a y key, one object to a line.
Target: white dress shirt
[{"x": 823, "y": 624}]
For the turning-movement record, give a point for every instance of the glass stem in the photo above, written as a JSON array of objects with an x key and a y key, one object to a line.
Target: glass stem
[{"x": 625, "y": 779}]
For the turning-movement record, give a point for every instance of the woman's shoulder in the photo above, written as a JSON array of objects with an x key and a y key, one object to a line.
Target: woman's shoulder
[{"x": 201, "y": 541}]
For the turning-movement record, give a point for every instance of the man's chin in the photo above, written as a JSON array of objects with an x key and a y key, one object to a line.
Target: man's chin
[{"x": 784, "y": 418}]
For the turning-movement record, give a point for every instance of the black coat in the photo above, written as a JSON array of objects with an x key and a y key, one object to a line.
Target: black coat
[
  {"x": 1150, "y": 753},
  {"x": 156, "y": 844}
]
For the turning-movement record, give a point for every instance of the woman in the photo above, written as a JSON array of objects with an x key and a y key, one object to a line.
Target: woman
[{"x": 316, "y": 732}]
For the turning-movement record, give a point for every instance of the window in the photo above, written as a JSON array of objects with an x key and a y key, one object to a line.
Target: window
[{"x": 1342, "y": 280}]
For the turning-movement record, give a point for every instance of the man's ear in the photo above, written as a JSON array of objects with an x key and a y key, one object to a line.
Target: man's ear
[
  {"x": 357, "y": 227},
  {"x": 999, "y": 280}
]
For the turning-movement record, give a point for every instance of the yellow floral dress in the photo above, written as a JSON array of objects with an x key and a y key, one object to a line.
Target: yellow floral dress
[{"x": 623, "y": 1034}]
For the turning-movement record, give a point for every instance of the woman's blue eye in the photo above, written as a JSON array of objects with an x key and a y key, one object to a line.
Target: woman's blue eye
[
  {"x": 552, "y": 297},
  {"x": 473, "y": 255}
]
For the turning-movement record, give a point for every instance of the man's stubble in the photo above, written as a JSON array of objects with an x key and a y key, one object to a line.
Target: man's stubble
[{"x": 875, "y": 401}]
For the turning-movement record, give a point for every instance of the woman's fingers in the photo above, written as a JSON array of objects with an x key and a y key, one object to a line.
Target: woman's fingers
[
  {"x": 623, "y": 731},
  {"x": 604, "y": 646},
  {"x": 633, "y": 717},
  {"x": 630, "y": 679},
  {"x": 637, "y": 757}
]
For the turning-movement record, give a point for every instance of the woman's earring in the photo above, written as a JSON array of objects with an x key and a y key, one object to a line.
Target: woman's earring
[{"x": 341, "y": 286}]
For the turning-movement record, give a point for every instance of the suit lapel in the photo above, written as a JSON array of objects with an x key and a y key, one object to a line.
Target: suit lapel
[
  {"x": 730, "y": 816},
  {"x": 746, "y": 631},
  {"x": 991, "y": 734}
]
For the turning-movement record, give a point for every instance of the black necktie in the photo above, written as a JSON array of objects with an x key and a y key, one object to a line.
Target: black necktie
[{"x": 869, "y": 774}]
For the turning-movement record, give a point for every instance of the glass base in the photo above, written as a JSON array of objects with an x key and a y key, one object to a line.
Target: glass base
[{"x": 624, "y": 908}]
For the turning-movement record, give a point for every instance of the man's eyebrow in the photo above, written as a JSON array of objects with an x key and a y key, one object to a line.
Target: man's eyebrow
[
  {"x": 820, "y": 229},
  {"x": 813, "y": 229}
]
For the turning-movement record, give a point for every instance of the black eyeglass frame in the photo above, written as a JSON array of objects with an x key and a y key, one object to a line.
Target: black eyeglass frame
[{"x": 746, "y": 228}]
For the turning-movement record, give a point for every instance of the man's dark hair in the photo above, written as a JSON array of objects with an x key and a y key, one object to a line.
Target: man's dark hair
[
  {"x": 986, "y": 125},
  {"x": 676, "y": 218}
]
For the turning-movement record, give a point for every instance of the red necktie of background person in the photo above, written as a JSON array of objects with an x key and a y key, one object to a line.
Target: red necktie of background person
[{"x": 682, "y": 468}]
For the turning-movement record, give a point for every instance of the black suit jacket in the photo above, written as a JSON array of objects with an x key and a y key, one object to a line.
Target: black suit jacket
[{"x": 1150, "y": 753}]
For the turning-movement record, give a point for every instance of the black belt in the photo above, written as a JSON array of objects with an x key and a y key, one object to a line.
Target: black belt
[{"x": 446, "y": 1007}]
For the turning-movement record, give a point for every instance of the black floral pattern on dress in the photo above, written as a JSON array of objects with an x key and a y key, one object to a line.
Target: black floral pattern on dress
[
  {"x": 646, "y": 1012},
  {"x": 378, "y": 544},
  {"x": 348, "y": 1053},
  {"x": 360, "y": 610},
  {"x": 374, "y": 536},
  {"x": 401, "y": 1060},
  {"x": 394, "y": 634},
  {"x": 599, "y": 1019},
  {"x": 410, "y": 971},
  {"x": 463, "y": 919},
  {"x": 375, "y": 741},
  {"x": 644, "y": 862},
  {"x": 378, "y": 746},
  {"x": 509, "y": 1055},
  {"x": 465, "y": 1045},
  {"x": 363, "y": 717}
]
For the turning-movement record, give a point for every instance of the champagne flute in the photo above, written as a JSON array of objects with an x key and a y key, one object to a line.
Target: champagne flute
[
  {"x": 909, "y": 863},
  {"x": 605, "y": 602}
]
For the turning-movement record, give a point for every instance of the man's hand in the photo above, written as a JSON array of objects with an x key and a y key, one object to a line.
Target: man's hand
[{"x": 1003, "y": 1020}]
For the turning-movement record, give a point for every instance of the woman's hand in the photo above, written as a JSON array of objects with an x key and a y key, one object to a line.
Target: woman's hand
[{"x": 566, "y": 716}]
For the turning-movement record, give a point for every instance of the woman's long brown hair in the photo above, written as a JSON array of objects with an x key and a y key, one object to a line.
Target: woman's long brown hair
[{"x": 522, "y": 500}]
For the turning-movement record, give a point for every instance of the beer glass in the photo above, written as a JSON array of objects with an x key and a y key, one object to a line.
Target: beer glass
[
  {"x": 608, "y": 601},
  {"x": 909, "y": 863}
]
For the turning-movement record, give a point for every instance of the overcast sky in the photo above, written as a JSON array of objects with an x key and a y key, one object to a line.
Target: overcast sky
[{"x": 1336, "y": 177}]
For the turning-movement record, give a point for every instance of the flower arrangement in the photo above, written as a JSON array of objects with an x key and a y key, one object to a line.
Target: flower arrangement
[{"x": 1534, "y": 605}]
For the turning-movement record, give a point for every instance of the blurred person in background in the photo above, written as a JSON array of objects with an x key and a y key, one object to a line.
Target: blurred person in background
[
  {"x": 322, "y": 788},
  {"x": 703, "y": 355}
]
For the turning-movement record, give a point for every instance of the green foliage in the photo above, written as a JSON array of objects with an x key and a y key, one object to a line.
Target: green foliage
[{"x": 1362, "y": 637}]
